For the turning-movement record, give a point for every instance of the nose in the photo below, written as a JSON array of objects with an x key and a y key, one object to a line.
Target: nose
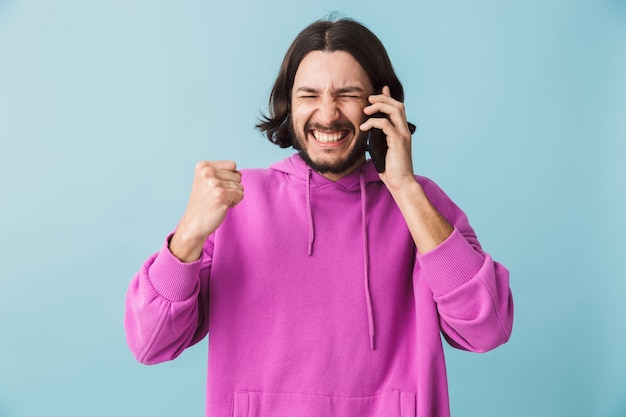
[{"x": 328, "y": 112}]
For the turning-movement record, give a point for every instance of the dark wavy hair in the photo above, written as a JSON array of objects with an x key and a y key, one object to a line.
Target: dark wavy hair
[{"x": 326, "y": 35}]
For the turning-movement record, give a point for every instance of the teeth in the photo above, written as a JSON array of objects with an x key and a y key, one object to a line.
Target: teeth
[{"x": 327, "y": 137}]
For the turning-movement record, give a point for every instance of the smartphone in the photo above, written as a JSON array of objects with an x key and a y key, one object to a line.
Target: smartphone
[{"x": 377, "y": 144}]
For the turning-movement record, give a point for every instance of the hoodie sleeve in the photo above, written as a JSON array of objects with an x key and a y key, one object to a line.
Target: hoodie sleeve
[
  {"x": 470, "y": 289},
  {"x": 166, "y": 306}
]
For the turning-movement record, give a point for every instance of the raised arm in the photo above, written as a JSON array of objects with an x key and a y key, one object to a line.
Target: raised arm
[
  {"x": 427, "y": 226},
  {"x": 471, "y": 290},
  {"x": 166, "y": 300}
]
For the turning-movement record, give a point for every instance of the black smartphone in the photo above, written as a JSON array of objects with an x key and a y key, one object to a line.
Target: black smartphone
[{"x": 377, "y": 144}]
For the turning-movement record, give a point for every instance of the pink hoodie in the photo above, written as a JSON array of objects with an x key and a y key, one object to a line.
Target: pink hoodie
[{"x": 317, "y": 304}]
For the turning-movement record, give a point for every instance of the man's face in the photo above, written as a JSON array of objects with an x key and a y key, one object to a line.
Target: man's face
[{"x": 329, "y": 93}]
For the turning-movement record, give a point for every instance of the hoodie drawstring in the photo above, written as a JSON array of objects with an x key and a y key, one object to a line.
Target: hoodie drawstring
[
  {"x": 366, "y": 283},
  {"x": 366, "y": 280},
  {"x": 309, "y": 213}
]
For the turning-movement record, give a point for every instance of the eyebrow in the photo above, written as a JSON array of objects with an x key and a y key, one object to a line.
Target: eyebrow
[{"x": 344, "y": 90}]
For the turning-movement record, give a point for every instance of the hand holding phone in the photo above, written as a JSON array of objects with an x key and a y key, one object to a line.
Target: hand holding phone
[{"x": 377, "y": 144}]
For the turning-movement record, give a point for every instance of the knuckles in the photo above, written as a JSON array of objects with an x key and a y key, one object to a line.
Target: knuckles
[
  {"x": 208, "y": 173},
  {"x": 201, "y": 165},
  {"x": 208, "y": 169}
]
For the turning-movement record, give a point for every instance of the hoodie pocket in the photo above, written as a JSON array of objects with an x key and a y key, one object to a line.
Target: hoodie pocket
[{"x": 394, "y": 403}]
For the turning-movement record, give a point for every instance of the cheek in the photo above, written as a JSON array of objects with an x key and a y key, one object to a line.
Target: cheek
[
  {"x": 354, "y": 110},
  {"x": 356, "y": 117},
  {"x": 300, "y": 115}
]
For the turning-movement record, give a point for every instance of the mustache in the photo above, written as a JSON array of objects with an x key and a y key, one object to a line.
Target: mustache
[{"x": 344, "y": 125}]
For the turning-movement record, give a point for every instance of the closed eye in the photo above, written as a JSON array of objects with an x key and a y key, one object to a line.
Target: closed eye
[{"x": 351, "y": 93}]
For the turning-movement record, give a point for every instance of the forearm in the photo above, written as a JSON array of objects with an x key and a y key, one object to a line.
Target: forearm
[
  {"x": 471, "y": 289},
  {"x": 426, "y": 224}
]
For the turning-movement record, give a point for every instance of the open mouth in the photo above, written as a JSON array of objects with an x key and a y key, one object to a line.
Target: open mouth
[{"x": 330, "y": 136}]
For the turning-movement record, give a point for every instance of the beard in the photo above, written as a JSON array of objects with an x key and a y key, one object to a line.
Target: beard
[{"x": 338, "y": 166}]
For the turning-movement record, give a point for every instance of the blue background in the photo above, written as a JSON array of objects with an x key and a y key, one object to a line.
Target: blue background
[{"x": 105, "y": 106}]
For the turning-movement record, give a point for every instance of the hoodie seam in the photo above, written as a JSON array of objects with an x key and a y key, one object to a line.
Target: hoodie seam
[
  {"x": 157, "y": 330},
  {"x": 312, "y": 394},
  {"x": 497, "y": 312}
]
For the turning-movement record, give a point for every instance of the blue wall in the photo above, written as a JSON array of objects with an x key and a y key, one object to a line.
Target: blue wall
[{"x": 105, "y": 106}]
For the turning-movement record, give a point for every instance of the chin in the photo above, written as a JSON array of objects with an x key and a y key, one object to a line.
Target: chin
[{"x": 335, "y": 166}]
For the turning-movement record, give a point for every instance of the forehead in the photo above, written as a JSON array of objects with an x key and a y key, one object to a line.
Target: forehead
[{"x": 330, "y": 70}]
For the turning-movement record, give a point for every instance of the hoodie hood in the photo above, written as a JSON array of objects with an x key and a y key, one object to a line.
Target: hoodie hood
[{"x": 356, "y": 181}]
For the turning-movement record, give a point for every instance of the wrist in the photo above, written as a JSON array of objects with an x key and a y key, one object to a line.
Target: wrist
[
  {"x": 427, "y": 226},
  {"x": 187, "y": 248},
  {"x": 405, "y": 190}
]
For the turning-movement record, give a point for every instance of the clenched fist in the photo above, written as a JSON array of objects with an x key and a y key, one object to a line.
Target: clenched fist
[{"x": 216, "y": 188}]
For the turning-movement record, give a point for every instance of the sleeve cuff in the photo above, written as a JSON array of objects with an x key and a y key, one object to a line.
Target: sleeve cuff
[
  {"x": 173, "y": 279},
  {"x": 451, "y": 264}
]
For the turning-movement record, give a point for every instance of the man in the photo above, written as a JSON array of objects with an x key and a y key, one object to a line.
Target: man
[{"x": 326, "y": 289}]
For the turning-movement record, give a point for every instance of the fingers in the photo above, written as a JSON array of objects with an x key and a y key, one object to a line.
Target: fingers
[
  {"x": 221, "y": 180},
  {"x": 212, "y": 168},
  {"x": 225, "y": 171},
  {"x": 383, "y": 103},
  {"x": 395, "y": 122},
  {"x": 388, "y": 114},
  {"x": 233, "y": 196}
]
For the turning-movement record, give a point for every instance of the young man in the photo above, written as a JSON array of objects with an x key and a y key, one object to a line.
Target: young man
[{"x": 326, "y": 289}]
